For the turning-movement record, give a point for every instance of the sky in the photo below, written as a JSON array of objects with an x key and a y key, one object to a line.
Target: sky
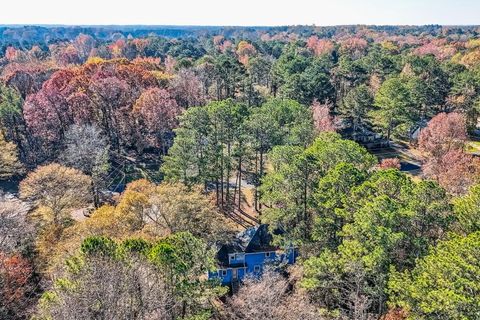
[{"x": 240, "y": 12}]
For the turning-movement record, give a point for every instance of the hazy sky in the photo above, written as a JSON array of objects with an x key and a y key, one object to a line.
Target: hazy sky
[{"x": 240, "y": 12}]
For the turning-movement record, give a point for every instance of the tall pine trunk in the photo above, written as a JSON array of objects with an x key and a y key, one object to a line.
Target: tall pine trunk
[
  {"x": 256, "y": 181},
  {"x": 228, "y": 172},
  {"x": 239, "y": 182}
]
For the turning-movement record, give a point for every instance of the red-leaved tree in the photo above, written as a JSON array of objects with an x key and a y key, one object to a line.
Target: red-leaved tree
[
  {"x": 443, "y": 143},
  {"x": 456, "y": 170},
  {"x": 322, "y": 118},
  {"x": 445, "y": 132},
  {"x": 389, "y": 163},
  {"x": 158, "y": 112},
  {"x": 320, "y": 46},
  {"x": 101, "y": 93},
  {"x": 15, "y": 284}
]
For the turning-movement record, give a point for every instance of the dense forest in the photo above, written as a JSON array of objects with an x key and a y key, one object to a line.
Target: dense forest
[{"x": 128, "y": 155}]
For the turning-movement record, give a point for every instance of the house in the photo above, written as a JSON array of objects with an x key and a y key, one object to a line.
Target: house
[
  {"x": 416, "y": 129},
  {"x": 249, "y": 254},
  {"x": 365, "y": 137}
]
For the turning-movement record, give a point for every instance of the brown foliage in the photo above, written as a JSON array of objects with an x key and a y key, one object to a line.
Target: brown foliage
[
  {"x": 320, "y": 46},
  {"x": 169, "y": 208},
  {"x": 245, "y": 51},
  {"x": 395, "y": 314},
  {"x": 157, "y": 111},
  {"x": 27, "y": 77},
  {"x": 147, "y": 210},
  {"x": 187, "y": 89}
]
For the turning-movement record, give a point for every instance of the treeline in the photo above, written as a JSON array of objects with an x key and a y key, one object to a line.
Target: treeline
[{"x": 27, "y": 36}]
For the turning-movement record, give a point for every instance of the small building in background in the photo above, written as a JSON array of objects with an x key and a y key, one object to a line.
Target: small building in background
[
  {"x": 415, "y": 130},
  {"x": 248, "y": 254},
  {"x": 365, "y": 137}
]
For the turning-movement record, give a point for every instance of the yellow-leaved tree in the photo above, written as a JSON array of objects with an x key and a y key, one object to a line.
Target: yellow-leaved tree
[
  {"x": 10, "y": 165},
  {"x": 57, "y": 190},
  {"x": 54, "y": 191},
  {"x": 149, "y": 211}
]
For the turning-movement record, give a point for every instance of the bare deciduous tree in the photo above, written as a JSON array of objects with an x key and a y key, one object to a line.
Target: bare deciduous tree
[
  {"x": 14, "y": 229},
  {"x": 109, "y": 289},
  {"x": 187, "y": 89},
  {"x": 269, "y": 298},
  {"x": 87, "y": 150}
]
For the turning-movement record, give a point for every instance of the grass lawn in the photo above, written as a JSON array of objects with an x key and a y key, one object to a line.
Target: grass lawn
[{"x": 473, "y": 146}]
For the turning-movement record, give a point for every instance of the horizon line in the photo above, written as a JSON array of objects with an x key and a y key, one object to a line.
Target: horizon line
[{"x": 232, "y": 26}]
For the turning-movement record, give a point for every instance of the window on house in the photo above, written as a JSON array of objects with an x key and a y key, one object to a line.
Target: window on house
[
  {"x": 231, "y": 257},
  {"x": 267, "y": 254},
  {"x": 240, "y": 256},
  {"x": 223, "y": 273},
  {"x": 256, "y": 268}
]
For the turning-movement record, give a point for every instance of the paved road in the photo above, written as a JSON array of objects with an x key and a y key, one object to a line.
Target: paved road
[{"x": 409, "y": 162}]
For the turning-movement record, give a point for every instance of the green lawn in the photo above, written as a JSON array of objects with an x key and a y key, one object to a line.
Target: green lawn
[{"x": 473, "y": 146}]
